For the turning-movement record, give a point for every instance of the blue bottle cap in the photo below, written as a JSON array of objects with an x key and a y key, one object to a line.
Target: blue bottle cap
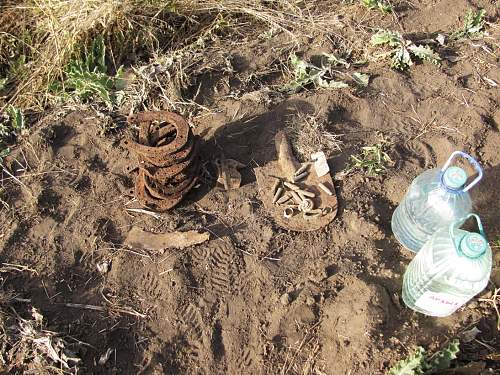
[
  {"x": 454, "y": 177},
  {"x": 473, "y": 245}
]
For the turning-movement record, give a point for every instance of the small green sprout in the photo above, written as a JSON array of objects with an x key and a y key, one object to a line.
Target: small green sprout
[
  {"x": 305, "y": 73},
  {"x": 11, "y": 126},
  {"x": 381, "y": 5},
  {"x": 3, "y": 82},
  {"x": 473, "y": 24},
  {"x": 403, "y": 50},
  {"x": 16, "y": 118},
  {"x": 373, "y": 159},
  {"x": 495, "y": 244},
  {"x": 420, "y": 364},
  {"x": 3, "y": 153},
  {"x": 361, "y": 79}
]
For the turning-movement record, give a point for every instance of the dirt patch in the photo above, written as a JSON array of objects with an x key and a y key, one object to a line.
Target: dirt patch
[{"x": 255, "y": 298}]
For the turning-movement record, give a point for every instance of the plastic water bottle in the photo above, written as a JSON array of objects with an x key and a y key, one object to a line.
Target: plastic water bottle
[
  {"x": 450, "y": 269},
  {"x": 435, "y": 199}
]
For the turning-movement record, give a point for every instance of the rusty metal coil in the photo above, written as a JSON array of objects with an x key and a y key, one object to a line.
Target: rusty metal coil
[{"x": 168, "y": 159}]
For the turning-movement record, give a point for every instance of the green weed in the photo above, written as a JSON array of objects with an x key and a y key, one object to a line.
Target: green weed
[
  {"x": 421, "y": 364},
  {"x": 403, "y": 50},
  {"x": 305, "y": 74},
  {"x": 378, "y": 4},
  {"x": 11, "y": 126},
  {"x": 16, "y": 119},
  {"x": 373, "y": 159},
  {"x": 3, "y": 153},
  {"x": 269, "y": 34},
  {"x": 473, "y": 24},
  {"x": 86, "y": 77},
  {"x": 361, "y": 79},
  {"x": 3, "y": 82},
  {"x": 495, "y": 244}
]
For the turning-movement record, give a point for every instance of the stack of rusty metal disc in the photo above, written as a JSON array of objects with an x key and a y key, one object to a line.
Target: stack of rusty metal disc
[{"x": 167, "y": 152}]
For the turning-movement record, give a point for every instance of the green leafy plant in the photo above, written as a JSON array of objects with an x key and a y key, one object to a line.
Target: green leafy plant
[
  {"x": 305, "y": 73},
  {"x": 3, "y": 82},
  {"x": 419, "y": 363},
  {"x": 381, "y": 5},
  {"x": 473, "y": 24},
  {"x": 496, "y": 243},
  {"x": 11, "y": 126},
  {"x": 372, "y": 159},
  {"x": 402, "y": 50},
  {"x": 87, "y": 77},
  {"x": 16, "y": 118},
  {"x": 361, "y": 79},
  {"x": 3, "y": 153}
]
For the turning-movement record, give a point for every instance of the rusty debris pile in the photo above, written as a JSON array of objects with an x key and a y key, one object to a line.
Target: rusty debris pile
[
  {"x": 167, "y": 152},
  {"x": 295, "y": 198}
]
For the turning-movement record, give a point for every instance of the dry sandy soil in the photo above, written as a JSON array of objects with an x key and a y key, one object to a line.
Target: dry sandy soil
[{"x": 218, "y": 307}]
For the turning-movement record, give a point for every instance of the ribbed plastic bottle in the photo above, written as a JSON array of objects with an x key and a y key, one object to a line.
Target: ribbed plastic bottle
[
  {"x": 450, "y": 269},
  {"x": 435, "y": 199}
]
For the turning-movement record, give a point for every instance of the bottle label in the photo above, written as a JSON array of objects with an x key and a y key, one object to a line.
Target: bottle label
[{"x": 440, "y": 303}]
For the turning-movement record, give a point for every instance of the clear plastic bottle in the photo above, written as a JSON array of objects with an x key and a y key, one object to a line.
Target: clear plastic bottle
[
  {"x": 435, "y": 199},
  {"x": 450, "y": 269}
]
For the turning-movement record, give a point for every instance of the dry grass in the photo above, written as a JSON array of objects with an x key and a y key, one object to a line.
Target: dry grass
[
  {"x": 300, "y": 357},
  {"x": 309, "y": 134},
  {"x": 26, "y": 346},
  {"x": 29, "y": 348},
  {"x": 46, "y": 34}
]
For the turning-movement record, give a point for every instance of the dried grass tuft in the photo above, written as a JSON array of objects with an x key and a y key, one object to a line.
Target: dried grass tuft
[
  {"x": 27, "y": 347},
  {"x": 46, "y": 34},
  {"x": 309, "y": 134}
]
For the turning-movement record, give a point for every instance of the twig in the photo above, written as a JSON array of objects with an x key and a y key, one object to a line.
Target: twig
[
  {"x": 15, "y": 178},
  {"x": 254, "y": 255},
  {"x": 17, "y": 267},
  {"x": 124, "y": 310},
  {"x": 135, "y": 252},
  {"x": 141, "y": 211},
  {"x": 83, "y": 306}
]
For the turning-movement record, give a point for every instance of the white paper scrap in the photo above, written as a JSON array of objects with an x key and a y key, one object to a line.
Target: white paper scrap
[{"x": 320, "y": 163}]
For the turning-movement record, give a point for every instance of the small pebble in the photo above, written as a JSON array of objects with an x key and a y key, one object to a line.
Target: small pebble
[{"x": 285, "y": 299}]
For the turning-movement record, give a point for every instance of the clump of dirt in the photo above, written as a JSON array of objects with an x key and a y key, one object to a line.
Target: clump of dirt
[{"x": 255, "y": 298}]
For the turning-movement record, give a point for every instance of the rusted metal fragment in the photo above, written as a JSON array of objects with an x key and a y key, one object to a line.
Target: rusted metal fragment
[
  {"x": 313, "y": 216},
  {"x": 139, "y": 238}
]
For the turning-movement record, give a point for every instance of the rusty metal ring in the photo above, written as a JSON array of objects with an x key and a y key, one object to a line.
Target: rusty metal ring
[
  {"x": 160, "y": 134},
  {"x": 169, "y": 160},
  {"x": 165, "y": 192},
  {"x": 145, "y": 198},
  {"x": 163, "y": 173},
  {"x": 166, "y": 175},
  {"x": 144, "y": 121}
]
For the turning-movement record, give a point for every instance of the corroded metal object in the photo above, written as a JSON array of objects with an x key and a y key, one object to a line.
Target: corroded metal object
[
  {"x": 167, "y": 153},
  {"x": 304, "y": 204}
]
